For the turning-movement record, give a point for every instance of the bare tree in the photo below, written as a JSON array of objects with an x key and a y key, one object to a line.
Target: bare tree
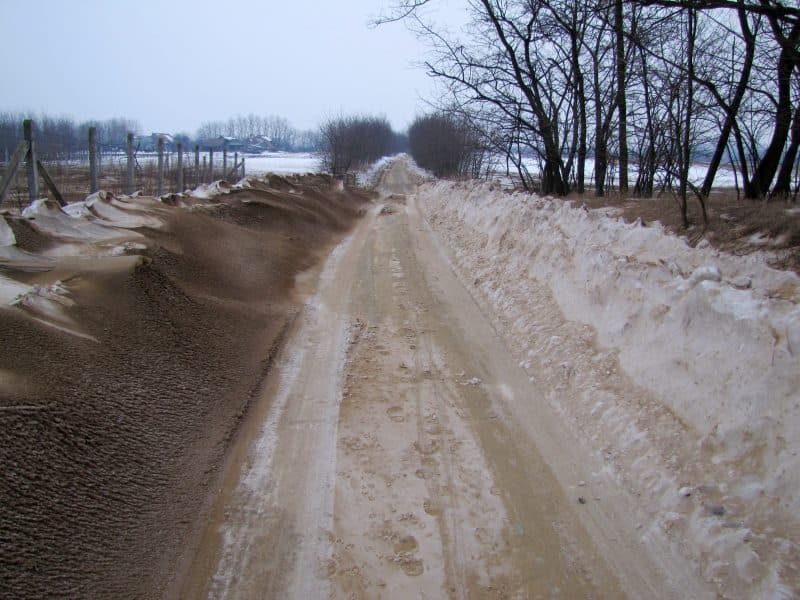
[
  {"x": 348, "y": 142},
  {"x": 446, "y": 145},
  {"x": 645, "y": 85},
  {"x": 621, "y": 100}
]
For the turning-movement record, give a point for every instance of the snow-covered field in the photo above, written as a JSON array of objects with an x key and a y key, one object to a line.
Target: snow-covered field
[
  {"x": 725, "y": 177},
  {"x": 678, "y": 367},
  {"x": 282, "y": 163}
]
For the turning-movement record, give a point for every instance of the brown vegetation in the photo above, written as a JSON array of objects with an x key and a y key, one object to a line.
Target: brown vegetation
[{"x": 735, "y": 224}]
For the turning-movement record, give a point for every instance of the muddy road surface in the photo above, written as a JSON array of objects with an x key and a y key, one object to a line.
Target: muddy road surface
[{"x": 397, "y": 450}]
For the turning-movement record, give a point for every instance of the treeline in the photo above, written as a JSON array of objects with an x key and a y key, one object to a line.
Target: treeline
[
  {"x": 641, "y": 86},
  {"x": 283, "y": 135},
  {"x": 63, "y": 138}
]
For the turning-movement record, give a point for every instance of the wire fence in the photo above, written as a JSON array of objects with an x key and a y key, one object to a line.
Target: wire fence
[{"x": 168, "y": 168}]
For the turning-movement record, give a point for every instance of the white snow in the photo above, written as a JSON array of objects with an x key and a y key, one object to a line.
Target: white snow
[
  {"x": 282, "y": 163},
  {"x": 725, "y": 176},
  {"x": 119, "y": 212},
  {"x": 711, "y": 342},
  {"x": 82, "y": 223},
  {"x": 11, "y": 290},
  {"x": 210, "y": 190}
]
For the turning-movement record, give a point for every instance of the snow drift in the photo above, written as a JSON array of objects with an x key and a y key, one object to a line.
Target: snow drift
[
  {"x": 135, "y": 333},
  {"x": 702, "y": 420}
]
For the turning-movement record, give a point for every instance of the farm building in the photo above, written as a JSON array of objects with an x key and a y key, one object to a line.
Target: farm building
[{"x": 149, "y": 143}]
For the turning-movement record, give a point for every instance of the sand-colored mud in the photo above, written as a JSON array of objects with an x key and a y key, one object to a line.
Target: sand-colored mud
[{"x": 119, "y": 401}]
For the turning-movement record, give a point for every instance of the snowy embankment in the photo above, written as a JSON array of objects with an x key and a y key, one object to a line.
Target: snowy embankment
[{"x": 678, "y": 368}]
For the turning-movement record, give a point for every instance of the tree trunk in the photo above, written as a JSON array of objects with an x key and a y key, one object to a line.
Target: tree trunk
[
  {"x": 765, "y": 171},
  {"x": 747, "y": 184},
  {"x": 783, "y": 185},
  {"x": 600, "y": 167},
  {"x": 622, "y": 105},
  {"x": 581, "y": 109},
  {"x": 732, "y": 110},
  {"x": 686, "y": 149}
]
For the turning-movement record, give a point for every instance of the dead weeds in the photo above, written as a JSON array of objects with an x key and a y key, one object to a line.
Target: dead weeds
[{"x": 735, "y": 225}]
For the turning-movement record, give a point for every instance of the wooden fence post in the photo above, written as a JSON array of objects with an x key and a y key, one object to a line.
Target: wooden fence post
[
  {"x": 20, "y": 152},
  {"x": 210, "y": 165},
  {"x": 204, "y": 169},
  {"x": 92, "y": 160},
  {"x": 33, "y": 173},
  {"x": 225, "y": 158},
  {"x": 243, "y": 168},
  {"x": 50, "y": 183},
  {"x": 129, "y": 182},
  {"x": 235, "y": 160},
  {"x": 160, "y": 181},
  {"x": 196, "y": 165},
  {"x": 180, "y": 168}
]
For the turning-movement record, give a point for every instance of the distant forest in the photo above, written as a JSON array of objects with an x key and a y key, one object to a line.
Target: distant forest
[{"x": 64, "y": 138}]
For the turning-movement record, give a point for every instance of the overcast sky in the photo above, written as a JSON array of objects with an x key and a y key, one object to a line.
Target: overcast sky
[{"x": 172, "y": 64}]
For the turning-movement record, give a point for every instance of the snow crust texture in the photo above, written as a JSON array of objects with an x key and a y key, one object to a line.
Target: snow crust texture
[{"x": 677, "y": 367}]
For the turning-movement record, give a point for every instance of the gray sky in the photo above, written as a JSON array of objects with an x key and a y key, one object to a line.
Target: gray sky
[{"x": 172, "y": 64}]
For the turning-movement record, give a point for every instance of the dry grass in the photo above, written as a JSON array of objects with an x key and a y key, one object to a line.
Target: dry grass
[{"x": 735, "y": 225}]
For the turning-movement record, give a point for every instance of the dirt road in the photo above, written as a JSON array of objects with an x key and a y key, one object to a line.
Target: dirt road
[{"x": 397, "y": 450}]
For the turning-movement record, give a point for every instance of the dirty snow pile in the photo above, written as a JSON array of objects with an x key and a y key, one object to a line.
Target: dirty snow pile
[
  {"x": 678, "y": 368},
  {"x": 95, "y": 233}
]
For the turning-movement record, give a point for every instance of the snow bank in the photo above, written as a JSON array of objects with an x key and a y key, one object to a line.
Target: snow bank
[
  {"x": 708, "y": 345},
  {"x": 116, "y": 212},
  {"x": 99, "y": 227},
  {"x": 80, "y": 222}
]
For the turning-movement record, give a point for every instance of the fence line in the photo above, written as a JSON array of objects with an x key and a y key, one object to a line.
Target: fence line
[{"x": 163, "y": 181}]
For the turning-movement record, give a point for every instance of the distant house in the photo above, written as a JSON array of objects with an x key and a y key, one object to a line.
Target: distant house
[
  {"x": 258, "y": 144},
  {"x": 222, "y": 141},
  {"x": 149, "y": 143}
]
